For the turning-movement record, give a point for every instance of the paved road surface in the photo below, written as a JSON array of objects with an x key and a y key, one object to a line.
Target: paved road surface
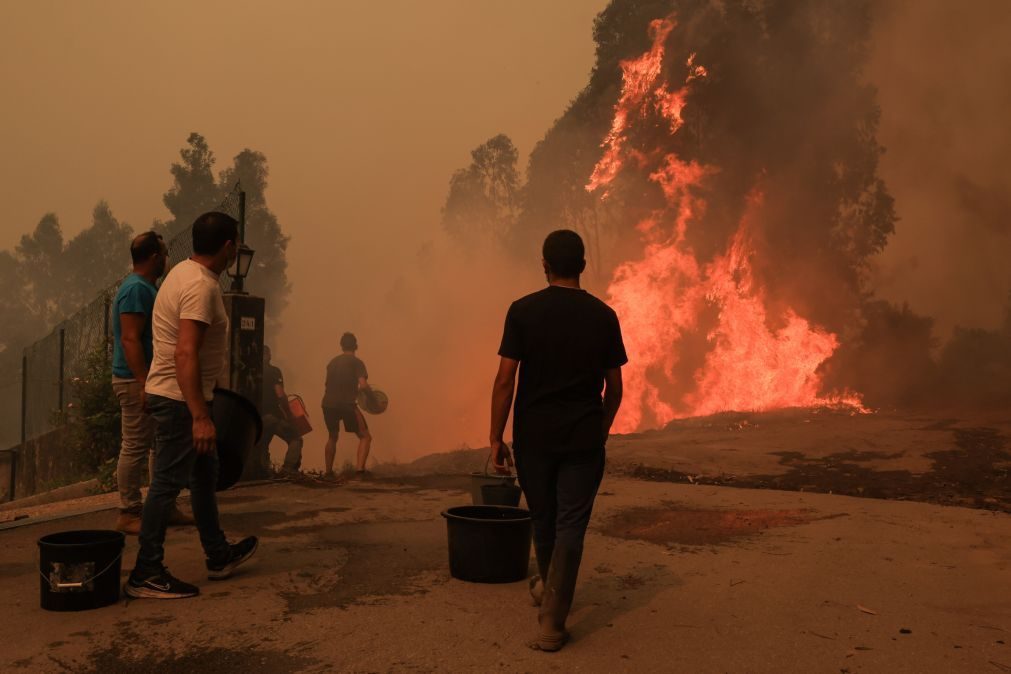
[{"x": 676, "y": 577}]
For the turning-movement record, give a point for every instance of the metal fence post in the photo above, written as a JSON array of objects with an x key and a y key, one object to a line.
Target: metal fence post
[
  {"x": 24, "y": 426},
  {"x": 242, "y": 216},
  {"x": 24, "y": 397},
  {"x": 63, "y": 358}
]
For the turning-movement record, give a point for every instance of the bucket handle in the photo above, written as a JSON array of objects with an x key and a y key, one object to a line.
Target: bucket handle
[
  {"x": 60, "y": 586},
  {"x": 487, "y": 462},
  {"x": 295, "y": 396}
]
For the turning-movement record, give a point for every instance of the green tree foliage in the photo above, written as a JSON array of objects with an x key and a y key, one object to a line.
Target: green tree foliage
[
  {"x": 483, "y": 200},
  {"x": 193, "y": 190},
  {"x": 54, "y": 277},
  {"x": 94, "y": 417},
  {"x": 95, "y": 259},
  {"x": 268, "y": 276},
  {"x": 18, "y": 322},
  {"x": 38, "y": 256},
  {"x": 46, "y": 279}
]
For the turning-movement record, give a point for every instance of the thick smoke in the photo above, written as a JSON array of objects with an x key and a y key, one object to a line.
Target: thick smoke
[
  {"x": 789, "y": 110},
  {"x": 783, "y": 115},
  {"x": 942, "y": 73}
]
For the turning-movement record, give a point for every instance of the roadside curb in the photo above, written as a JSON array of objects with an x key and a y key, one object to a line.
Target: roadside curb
[{"x": 42, "y": 519}]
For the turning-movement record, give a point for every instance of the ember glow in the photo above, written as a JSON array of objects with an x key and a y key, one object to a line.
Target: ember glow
[{"x": 669, "y": 296}]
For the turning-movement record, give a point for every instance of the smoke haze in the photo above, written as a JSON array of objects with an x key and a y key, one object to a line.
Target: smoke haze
[
  {"x": 943, "y": 72},
  {"x": 365, "y": 110}
]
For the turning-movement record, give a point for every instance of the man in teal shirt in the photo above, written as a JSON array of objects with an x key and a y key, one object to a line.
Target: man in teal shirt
[{"x": 132, "y": 351}]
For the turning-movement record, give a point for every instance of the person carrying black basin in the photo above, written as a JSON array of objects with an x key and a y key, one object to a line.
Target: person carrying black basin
[
  {"x": 346, "y": 377},
  {"x": 566, "y": 345},
  {"x": 190, "y": 330}
]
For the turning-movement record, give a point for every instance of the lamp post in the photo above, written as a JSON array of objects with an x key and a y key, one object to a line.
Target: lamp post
[{"x": 239, "y": 271}]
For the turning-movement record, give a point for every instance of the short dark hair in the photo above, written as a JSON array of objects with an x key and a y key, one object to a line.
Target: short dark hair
[
  {"x": 565, "y": 254},
  {"x": 211, "y": 231},
  {"x": 349, "y": 342},
  {"x": 144, "y": 246}
]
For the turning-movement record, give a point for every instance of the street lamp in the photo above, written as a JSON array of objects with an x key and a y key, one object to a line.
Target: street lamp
[{"x": 239, "y": 271}]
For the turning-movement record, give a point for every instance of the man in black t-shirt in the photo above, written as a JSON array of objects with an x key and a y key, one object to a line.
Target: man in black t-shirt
[
  {"x": 346, "y": 376},
  {"x": 566, "y": 345},
  {"x": 277, "y": 419}
]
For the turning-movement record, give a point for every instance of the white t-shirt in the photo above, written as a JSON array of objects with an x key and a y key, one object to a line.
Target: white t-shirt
[{"x": 190, "y": 291}]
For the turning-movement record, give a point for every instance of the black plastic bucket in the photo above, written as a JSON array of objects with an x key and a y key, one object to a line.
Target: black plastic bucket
[
  {"x": 80, "y": 569},
  {"x": 478, "y": 481},
  {"x": 503, "y": 494},
  {"x": 488, "y": 544},
  {"x": 238, "y": 427}
]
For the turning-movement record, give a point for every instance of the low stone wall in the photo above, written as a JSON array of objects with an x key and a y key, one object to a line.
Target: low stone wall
[
  {"x": 45, "y": 463},
  {"x": 7, "y": 460}
]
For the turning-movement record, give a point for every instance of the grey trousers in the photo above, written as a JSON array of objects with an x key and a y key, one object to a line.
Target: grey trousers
[{"x": 136, "y": 453}]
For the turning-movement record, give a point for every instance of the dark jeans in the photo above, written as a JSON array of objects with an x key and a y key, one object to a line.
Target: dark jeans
[
  {"x": 560, "y": 489},
  {"x": 178, "y": 465},
  {"x": 282, "y": 428}
]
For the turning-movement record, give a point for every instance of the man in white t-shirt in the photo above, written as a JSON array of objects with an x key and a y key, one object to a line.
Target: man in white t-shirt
[{"x": 190, "y": 330}]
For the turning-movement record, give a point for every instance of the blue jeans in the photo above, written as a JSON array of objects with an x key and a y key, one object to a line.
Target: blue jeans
[{"x": 177, "y": 465}]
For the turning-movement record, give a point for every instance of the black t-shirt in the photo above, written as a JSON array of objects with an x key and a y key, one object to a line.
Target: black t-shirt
[
  {"x": 342, "y": 375},
  {"x": 564, "y": 339},
  {"x": 272, "y": 378}
]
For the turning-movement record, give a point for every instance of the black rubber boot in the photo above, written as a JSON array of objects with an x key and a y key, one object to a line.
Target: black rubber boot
[
  {"x": 559, "y": 590},
  {"x": 543, "y": 554}
]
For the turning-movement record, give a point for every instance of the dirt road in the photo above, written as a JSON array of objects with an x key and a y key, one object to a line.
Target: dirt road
[{"x": 676, "y": 577}]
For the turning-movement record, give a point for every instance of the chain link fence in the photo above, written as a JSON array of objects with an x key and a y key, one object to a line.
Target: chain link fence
[
  {"x": 10, "y": 402},
  {"x": 51, "y": 363}
]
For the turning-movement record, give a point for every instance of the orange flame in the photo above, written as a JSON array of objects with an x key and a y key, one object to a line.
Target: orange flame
[
  {"x": 638, "y": 77},
  {"x": 662, "y": 298}
]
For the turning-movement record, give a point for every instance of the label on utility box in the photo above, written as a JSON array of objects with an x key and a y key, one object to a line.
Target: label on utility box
[{"x": 247, "y": 323}]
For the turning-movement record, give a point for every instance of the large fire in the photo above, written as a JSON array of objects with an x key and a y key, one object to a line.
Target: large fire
[{"x": 669, "y": 294}]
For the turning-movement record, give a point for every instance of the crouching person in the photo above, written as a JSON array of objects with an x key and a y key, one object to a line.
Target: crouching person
[
  {"x": 190, "y": 330},
  {"x": 277, "y": 420},
  {"x": 566, "y": 345}
]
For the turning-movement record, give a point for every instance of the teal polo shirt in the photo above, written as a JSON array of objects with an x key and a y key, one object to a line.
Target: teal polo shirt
[{"x": 136, "y": 296}]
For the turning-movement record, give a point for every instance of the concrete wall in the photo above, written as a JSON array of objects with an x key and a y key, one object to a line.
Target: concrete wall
[
  {"x": 44, "y": 463},
  {"x": 7, "y": 459}
]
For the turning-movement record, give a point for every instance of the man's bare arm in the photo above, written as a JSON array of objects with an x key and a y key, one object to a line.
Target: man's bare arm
[
  {"x": 501, "y": 402},
  {"x": 187, "y": 359},
  {"x": 131, "y": 331},
  {"x": 612, "y": 398}
]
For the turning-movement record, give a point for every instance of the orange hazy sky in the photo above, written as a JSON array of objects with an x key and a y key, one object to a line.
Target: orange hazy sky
[
  {"x": 362, "y": 109},
  {"x": 365, "y": 109}
]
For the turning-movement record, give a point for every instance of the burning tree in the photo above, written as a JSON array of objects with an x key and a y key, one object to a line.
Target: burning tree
[{"x": 728, "y": 151}]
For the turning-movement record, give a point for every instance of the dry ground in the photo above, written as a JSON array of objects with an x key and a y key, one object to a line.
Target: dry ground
[
  {"x": 681, "y": 573},
  {"x": 676, "y": 578}
]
